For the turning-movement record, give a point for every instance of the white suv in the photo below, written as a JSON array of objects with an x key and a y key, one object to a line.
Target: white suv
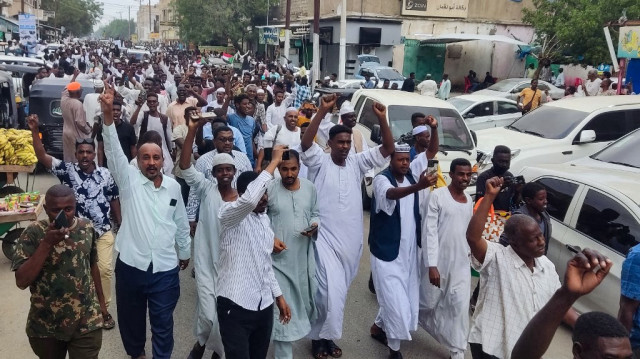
[{"x": 564, "y": 130}]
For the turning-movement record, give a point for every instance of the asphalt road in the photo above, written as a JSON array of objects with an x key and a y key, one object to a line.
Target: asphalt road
[{"x": 361, "y": 309}]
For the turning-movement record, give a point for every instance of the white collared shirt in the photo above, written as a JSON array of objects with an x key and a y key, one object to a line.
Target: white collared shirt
[
  {"x": 246, "y": 243},
  {"x": 510, "y": 295},
  {"x": 154, "y": 219}
]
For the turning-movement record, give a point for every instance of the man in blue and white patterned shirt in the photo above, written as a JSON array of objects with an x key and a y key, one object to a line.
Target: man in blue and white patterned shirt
[{"x": 96, "y": 196}]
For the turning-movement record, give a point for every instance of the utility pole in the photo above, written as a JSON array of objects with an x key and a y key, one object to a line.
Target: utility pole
[
  {"x": 150, "y": 23},
  {"x": 265, "y": 39},
  {"x": 316, "y": 41},
  {"x": 287, "y": 30},
  {"x": 129, "y": 23},
  {"x": 342, "y": 60}
]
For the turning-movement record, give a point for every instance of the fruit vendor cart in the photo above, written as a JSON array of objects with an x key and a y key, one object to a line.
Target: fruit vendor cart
[{"x": 10, "y": 229}]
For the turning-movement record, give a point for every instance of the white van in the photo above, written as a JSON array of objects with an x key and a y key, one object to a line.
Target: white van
[{"x": 456, "y": 141}]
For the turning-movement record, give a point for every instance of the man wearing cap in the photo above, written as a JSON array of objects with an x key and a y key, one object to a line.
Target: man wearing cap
[
  {"x": 338, "y": 176},
  {"x": 206, "y": 245},
  {"x": 327, "y": 82},
  {"x": 287, "y": 135},
  {"x": 394, "y": 241},
  {"x": 91, "y": 105},
  {"x": 307, "y": 111},
  {"x": 428, "y": 87},
  {"x": 75, "y": 126}
]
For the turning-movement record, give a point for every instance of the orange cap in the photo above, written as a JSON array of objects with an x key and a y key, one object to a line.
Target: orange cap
[{"x": 74, "y": 86}]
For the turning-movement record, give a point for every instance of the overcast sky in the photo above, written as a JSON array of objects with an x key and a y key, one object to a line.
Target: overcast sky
[{"x": 116, "y": 9}]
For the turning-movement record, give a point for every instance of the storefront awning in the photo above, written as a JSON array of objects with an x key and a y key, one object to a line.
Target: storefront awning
[{"x": 448, "y": 38}]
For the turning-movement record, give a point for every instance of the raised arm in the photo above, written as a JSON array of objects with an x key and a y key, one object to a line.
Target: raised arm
[
  {"x": 233, "y": 213},
  {"x": 326, "y": 104},
  {"x": 478, "y": 244},
  {"x": 41, "y": 153},
  {"x": 118, "y": 162},
  {"x": 580, "y": 279},
  {"x": 432, "y": 151},
  {"x": 388, "y": 143},
  {"x": 425, "y": 181}
]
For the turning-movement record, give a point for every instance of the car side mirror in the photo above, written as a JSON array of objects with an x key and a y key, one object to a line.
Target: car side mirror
[
  {"x": 375, "y": 134},
  {"x": 587, "y": 136},
  {"x": 470, "y": 115}
]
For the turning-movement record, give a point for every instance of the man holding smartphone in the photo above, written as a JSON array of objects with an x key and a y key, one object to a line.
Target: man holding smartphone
[
  {"x": 65, "y": 310},
  {"x": 293, "y": 211}
]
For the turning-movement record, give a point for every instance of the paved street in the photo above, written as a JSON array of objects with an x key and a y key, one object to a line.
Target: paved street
[{"x": 360, "y": 312}]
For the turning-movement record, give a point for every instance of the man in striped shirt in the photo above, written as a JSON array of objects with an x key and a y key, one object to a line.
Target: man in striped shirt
[{"x": 247, "y": 290}]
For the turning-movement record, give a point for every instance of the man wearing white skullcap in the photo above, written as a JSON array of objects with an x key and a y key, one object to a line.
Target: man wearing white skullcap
[
  {"x": 394, "y": 241},
  {"x": 287, "y": 135},
  {"x": 428, "y": 87},
  {"x": 206, "y": 240}
]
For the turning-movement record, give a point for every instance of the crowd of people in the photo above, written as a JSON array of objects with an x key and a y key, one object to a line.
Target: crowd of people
[{"x": 266, "y": 188}]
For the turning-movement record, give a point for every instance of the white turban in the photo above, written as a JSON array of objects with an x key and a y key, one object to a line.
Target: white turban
[
  {"x": 420, "y": 129},
  {"x": 346, "y": 107}
]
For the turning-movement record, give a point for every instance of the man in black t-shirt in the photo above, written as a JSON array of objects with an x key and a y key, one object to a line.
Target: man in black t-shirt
[
  {"x": 501, "y": 160},
  {"x": 126, "y": 135}
]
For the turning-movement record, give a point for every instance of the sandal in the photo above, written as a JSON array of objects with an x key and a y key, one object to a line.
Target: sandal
[
  {"x": 108, "y": 322},
  {"x": 378, "y": 334},
  {"x": 318, "y": 349},
  {"x": 333, "y": 349}
]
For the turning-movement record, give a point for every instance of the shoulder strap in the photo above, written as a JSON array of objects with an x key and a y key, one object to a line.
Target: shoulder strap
[
  {"x": 145, "y": 123},
  {"x": 165, "y": 120},
  {"x": 276, "y": 136},
  {"x": 357, "y": 140}
]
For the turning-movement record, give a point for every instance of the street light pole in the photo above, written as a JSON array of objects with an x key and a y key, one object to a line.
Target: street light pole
[
  {"x": 264, "y": 38},
  {"x": 316, "y": 41}
]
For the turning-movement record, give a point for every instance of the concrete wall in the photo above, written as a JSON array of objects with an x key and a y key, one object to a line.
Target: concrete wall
[{"x": 500, "y": 11}]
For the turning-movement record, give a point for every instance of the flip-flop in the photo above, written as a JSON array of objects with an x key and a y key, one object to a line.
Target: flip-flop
[
  {"x": 333, "y": 349},
  {"x": 319, "y": 349}
]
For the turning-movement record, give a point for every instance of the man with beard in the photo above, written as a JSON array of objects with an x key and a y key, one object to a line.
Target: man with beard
[
  {"x": 155, "y": 221},
  {"x": 514, "y": 281},
  {"x": 394, "y": 238},
  {"x": 96, "y": 196},
  {"x": 176, "y": 109},
  {"x": 287, "y": 135},
  {"x": 501, "y": 161},
  {"x": 156, "y": 121},
  {"x": 446, "y": 315},
  {"x": 338, "y": 176},
  {"x": 206, "y": 245},
  {"x": 294, "y": 214}
]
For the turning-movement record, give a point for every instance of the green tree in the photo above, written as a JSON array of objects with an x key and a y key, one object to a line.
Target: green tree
[
  {"x": 77, "y": 16},
  {"x": 201, "y": 21},
  {"x": 117, "y": 29},
  {"x": 571, "y": 30}
]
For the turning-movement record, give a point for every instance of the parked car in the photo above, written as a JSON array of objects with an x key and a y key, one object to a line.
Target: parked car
[
  {"x": 622, "y": 154},
  {"x": 20, "y": 60},
  {"x": 480, "y": 112},
  {"x": 563, "y": 131},
  {"x": 456, "y": 141},
  {"x": 138, "y": 54},
  {"x": 510, "y": 88},
  {"x": 591, "y": 207},
  {"x": 379, "y": 73}
]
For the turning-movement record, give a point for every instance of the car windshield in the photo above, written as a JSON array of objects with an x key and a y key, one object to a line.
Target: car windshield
[
  {"x": 622, "y": 152},
  {"x": 460, "y": 104},
  {"x": 389, "y": 74},
  {"x": 549, "y": 122},
  {"x": 503, "y": 86},
  {"x": 452, "y": 131}
]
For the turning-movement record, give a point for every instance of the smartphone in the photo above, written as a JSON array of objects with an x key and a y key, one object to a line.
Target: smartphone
[
  {"x": 432, "y": 166},
  {"x": 285, "y": 155},
  {"x": 309, "y": 229},
  {"x": 206, "y": 115},
  {"x": 61, "y": 220}
]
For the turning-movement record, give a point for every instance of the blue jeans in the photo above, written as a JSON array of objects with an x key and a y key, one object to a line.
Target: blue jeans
[{"x": 135, "y": 289}]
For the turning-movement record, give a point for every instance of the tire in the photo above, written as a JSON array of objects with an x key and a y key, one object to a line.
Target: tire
[{"x": 9, "y": 241}]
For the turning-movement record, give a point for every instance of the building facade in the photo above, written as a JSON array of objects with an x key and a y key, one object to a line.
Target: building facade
[
  {"x": 392, "y": 30},
  {"x": 148, "y": 22}
]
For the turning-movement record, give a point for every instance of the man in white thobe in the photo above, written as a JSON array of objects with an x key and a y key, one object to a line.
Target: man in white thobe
[
  {"x": 394, "y": 238},
  {"x": 428, "y": 87},
  {"x": 337, "y": 176},
  {"x": 445, "y": 87},
  {"x": 206, "y": 241},
  {"x": 445, "y": 314}
]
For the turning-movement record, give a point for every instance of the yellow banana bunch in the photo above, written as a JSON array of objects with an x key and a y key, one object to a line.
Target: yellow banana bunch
[{"x": 16, "y": 147}]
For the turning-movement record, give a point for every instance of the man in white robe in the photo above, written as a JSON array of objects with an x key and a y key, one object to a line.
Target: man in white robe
[
  {"x": 206, "y": 241},
  {"x": 337, "y": 176},
  {"x": 446, "y": 253},
  {"x": 394, "y": 241}
]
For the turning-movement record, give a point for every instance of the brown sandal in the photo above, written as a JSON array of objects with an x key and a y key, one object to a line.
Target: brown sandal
[{"x": 108, "y": 322}]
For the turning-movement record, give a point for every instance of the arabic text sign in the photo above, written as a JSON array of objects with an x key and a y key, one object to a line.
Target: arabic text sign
[
  {"x": 629, "y": 42},
  {"x": 269, "y": 35},
  {"x": 436, "y": 8}
]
